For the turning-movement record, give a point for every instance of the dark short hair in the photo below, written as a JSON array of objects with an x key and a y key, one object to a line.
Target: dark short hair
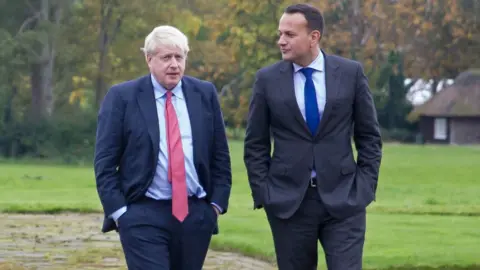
[{"x": 313, "y": 16}]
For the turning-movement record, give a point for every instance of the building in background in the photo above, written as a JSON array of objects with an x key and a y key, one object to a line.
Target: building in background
[{"x": 452, "y": 116}]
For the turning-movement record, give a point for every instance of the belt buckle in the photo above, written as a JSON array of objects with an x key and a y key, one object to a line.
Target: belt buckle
[{"x": 312, "y": 183}]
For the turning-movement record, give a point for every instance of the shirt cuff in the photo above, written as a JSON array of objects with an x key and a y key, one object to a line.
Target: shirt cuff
[
  {"x": 220, "y": 210},
  {"x": 117, "y": 214}
]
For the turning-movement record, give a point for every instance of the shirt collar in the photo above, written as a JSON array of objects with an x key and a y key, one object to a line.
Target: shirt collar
[
  {"x": 160, "y": 91},
  {"x": 317, "y": 64}
]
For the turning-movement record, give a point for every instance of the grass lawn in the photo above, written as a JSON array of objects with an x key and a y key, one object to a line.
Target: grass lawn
[{"x": 427, "y": 211}]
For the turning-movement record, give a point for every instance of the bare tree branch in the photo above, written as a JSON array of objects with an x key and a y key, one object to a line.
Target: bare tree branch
[
  {"x": 27, "y": 22},
  {"x": 117, "y": 25}
]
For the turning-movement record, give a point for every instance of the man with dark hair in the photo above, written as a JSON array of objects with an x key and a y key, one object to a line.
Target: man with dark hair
[{"x": 311, "y": 188}]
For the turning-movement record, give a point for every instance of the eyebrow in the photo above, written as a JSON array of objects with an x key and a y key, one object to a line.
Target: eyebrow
[{"x": 170, "y": 54}]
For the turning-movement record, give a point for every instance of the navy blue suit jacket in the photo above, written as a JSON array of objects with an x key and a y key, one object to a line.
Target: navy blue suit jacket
[{"x": 127, "y": 143}]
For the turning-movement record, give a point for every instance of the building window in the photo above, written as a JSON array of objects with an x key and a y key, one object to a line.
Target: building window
[{"x": 440, "y": 129}]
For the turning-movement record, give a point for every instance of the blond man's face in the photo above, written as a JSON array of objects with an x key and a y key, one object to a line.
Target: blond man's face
[{"x": 167, "y": 65}]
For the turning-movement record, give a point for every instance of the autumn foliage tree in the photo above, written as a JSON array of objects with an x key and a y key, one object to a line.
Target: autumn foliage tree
[{"x": 60, "y": 57}]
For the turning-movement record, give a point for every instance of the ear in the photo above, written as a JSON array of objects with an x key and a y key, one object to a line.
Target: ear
[{"x": 316, "y": 36}]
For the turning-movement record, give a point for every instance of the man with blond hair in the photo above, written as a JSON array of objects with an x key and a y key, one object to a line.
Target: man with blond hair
[{"x": 162, "y": 163}]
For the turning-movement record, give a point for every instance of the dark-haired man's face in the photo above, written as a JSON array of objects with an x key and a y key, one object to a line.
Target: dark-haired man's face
[{"x": 295, "y": 40}]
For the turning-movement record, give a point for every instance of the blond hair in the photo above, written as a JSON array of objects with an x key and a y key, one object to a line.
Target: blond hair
[{"x": 165, "y": 35}]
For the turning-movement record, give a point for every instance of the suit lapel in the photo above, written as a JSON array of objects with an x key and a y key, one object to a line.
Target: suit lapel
[
  {"x": 287, "y": 88},
  {"x": 331, "y": 85},
  {"x": 147, "y": 105},
  {"x": 194, "y": 106}
]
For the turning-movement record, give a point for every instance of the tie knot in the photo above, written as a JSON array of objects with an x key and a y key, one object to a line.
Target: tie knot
[
  {"x": 307, "y": 72},
  {"x": 169, "y": 94}
]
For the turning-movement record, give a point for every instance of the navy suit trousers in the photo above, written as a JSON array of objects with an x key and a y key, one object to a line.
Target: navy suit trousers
[{"x": 153, "y": 239}]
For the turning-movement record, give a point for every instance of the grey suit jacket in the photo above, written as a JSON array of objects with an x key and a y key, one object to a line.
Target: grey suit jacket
[{"x": 279, "y": 181}]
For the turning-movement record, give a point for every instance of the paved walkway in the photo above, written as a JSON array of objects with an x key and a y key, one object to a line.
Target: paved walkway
[{"x": 74, "y": 241}]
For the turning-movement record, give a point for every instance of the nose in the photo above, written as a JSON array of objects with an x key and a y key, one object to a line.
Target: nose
[
  {"x": 281, "y": 41},
  {"x": 174, "y": 63}
]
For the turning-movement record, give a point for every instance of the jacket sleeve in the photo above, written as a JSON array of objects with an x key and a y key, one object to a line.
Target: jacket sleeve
[
  {"x": 220, "y": 166},
  {"x": 108, "y": 151},
  {"x": 257, "y": 145},
  {"x": 366, "y": 133}
]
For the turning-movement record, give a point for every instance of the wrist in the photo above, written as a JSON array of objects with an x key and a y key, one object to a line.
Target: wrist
[{"x": 217, "y": 211}]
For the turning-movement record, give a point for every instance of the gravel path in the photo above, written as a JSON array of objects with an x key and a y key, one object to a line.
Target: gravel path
[{"x": 47, "y": 242}]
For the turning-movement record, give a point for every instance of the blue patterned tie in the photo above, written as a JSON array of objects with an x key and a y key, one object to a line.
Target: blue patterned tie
[{"x": 312, "y": 114}]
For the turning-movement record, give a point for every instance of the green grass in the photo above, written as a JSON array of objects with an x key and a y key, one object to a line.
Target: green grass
[
  {"x": 47, "y": 188},
  {"x": 429, "y": 179},
  {"x": 427, "y": 212}
]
